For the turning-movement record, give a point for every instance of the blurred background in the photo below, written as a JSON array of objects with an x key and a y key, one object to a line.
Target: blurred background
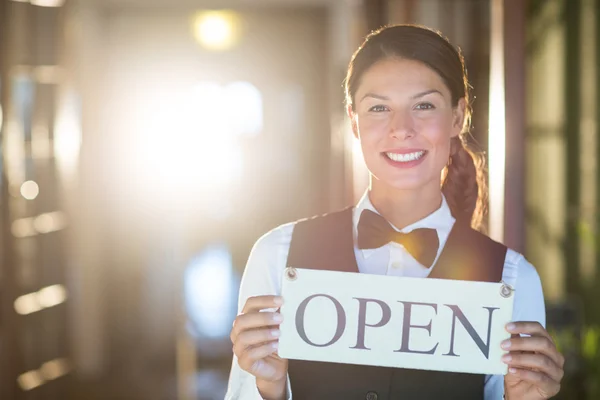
[{"x": 147, "y": 144}]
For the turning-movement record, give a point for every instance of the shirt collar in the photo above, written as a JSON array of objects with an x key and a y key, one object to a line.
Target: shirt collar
[{"x": 441, "y": 220}]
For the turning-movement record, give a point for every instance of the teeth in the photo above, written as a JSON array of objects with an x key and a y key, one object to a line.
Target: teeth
[{"x": 405, "y": 157}]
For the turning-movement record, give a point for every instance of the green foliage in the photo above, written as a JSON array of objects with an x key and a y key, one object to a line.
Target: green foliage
[{"x": 585, "y": 346}]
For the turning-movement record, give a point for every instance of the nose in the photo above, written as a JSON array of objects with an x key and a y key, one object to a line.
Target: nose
[{"x": 401, "y": 125}]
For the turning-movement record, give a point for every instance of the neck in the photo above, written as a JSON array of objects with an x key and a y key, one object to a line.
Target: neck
[{"x": 404, "y": 207}]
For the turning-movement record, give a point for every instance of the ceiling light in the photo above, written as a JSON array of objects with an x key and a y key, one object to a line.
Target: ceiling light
[{"x": 216, "y": 30}]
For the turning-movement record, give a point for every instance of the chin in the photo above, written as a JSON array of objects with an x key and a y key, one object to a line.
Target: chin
[
  {"x": 403, "y": 183},
  {"x": 413, "y": 178}
]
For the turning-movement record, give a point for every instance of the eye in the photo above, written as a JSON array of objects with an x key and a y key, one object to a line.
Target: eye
[
  {"x": 378, "y": 108},
  {"x": 425, "y": 106}
]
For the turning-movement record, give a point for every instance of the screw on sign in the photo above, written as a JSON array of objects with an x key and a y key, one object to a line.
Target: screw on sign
[
  {"x": 371, "y": 396},
  {"x": 506, "y": 290},
  {"x": 291, "y": 273}
]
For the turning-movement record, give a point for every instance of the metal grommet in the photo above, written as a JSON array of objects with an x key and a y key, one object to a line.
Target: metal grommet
[
  {"x": 371, "y": 396},
  {"x": 506, "y": 290},
  {"x": 291, "y": 274}
]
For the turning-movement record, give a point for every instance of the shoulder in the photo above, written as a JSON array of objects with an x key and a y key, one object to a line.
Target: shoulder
[
  {"x": 276, "y": 242},
  {"x": 276, "y": 239},
  {"x": 482, "y": 238},
  {"x": 327, "y": 218},
  {"x": 263, "y": 271},
  {"x": 270, "y": 253},
  {"x": 529, "y": 296},
  {"x": 477, "y": 252},
  {"x": 519, "y": 272},
  {"x": 517, "y": 269},
  {"x": 475, "y": 240},
  {"x": 282, "y": 234},
  {"x": 310, "y": 225}
]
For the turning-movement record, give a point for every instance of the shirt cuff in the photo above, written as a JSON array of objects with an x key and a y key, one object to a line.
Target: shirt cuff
[{"x": 288, "y": 390}]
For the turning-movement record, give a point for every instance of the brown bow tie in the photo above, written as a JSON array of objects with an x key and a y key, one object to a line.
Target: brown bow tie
[{"x": 374, "y": 232}]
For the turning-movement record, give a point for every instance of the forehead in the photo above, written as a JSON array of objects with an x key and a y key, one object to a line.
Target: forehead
[{"x": 400, "y": 75}]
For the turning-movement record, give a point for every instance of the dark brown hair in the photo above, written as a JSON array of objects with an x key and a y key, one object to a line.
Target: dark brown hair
[{"x": 463, "y": 179}]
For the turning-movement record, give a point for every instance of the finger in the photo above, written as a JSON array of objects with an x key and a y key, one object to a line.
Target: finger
[
  {"x": 515, "y": 336},
  {"x": 253, "y": 337},
  {"x": 254, "y": 320},
  {"x": 248, "y": 359},
  {"x": 538, "y": 344},
  {"x": 258, "y": 303},
  {"x": 532, "y": 328},
  {"x": 537, "y": 362},
  {"x": 543, "y": 382}
]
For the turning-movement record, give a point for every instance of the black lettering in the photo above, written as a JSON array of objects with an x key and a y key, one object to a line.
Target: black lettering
[
  {"x": 406, "y": 328},
  {"x": 362, "y": 320},
  {"x": 341, "y": 320},
  {"x": 457, "y": 313}
]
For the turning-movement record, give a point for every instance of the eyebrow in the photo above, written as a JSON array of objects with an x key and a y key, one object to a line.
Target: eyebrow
[{"x": 416, "y": 96}]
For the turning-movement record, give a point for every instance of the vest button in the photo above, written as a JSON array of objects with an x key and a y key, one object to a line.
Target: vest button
[{"x": 371, "y": 396}]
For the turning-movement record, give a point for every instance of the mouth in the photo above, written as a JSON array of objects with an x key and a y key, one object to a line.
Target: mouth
[{"x": 405, "y": 157}]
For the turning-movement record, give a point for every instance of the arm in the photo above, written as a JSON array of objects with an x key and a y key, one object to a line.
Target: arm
[
  {"x": 535, "y": 365},
  {"x": 261, "y": 280},
  {"x": 528, "y": 306}
]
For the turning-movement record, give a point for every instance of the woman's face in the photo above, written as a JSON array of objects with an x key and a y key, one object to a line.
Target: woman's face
[{"x": 404, "y": 119}]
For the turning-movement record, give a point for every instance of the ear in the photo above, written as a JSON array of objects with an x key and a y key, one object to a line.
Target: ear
[
  {"x": 352, "y": 117},
  {"x": 458, "y": 117}
]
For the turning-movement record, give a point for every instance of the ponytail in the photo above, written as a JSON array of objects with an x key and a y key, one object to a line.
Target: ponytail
[{"x": 464, "y": 184}]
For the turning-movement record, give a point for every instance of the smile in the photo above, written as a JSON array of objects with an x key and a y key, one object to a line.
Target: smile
[{"x": 407, "y": 157}]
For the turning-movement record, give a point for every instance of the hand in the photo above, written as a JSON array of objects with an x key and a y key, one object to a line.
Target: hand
[
  {"x": 535, "y": 365},
  {"x": 254, "y": 337}
]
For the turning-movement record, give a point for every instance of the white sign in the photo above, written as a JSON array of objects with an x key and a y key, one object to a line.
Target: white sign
[{"x": 431, "y": 324}]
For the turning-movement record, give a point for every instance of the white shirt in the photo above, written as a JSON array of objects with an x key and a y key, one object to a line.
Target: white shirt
[{"x": 268, "y": 258}]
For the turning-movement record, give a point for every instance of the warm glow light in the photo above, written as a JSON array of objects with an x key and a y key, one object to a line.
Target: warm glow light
[
  {"x": 48, "y": 3},
  {"x": 30, "y": 380},
  {"x": 30, "y": 190},
  {"x": 189, "y": 157},
  {"x": 45, "y": 298},
  {"x": 43, "y": 3},
  {"x": 216, "y": 30},
  {"x": 23, "y": 228},
  {"x": 67, "y": 134},
  {"x": 27, "y": 304},
  {"x": 246, "y": 99},
  {"x": 14, "y": 151},
  {"x": 49, "y": 222},
  {"x": 52, "y": 296},
  {"x": 497, "y": 128},
  {"x": 43, "y": 223},
  {"x": 54, "y": 369},
  {"x": 49, "y": 371},
  {"x": 190, "y": 143}
]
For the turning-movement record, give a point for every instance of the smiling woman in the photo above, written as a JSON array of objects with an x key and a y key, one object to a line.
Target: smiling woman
[
  {"x": 389, "y": 90},
  {"x": 408, "y": 101},
  {"x": 413, "y": 100}
]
